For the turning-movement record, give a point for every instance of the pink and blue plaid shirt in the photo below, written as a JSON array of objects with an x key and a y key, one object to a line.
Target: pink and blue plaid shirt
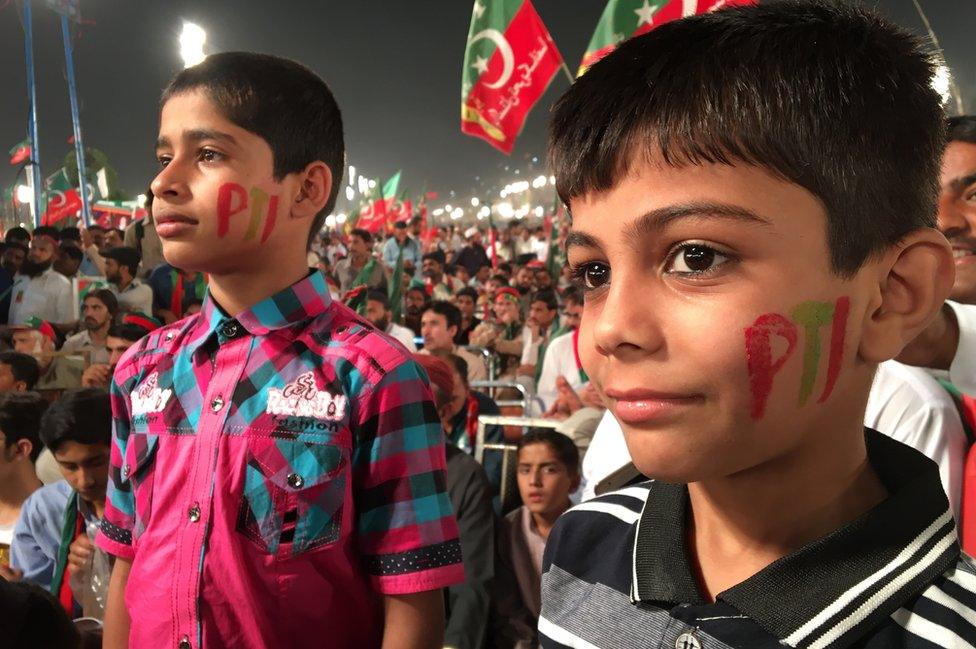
[{"x": 272, "y": 476}]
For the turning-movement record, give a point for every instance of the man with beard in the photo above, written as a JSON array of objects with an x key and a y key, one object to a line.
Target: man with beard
[
  {"x": 121, "y": 269},
  {"x": 473, "y": 255},
  {"x": 98, "y": 311},
  {"x": 415, "y": 301},
  {"x": 39, "y": 291},
  {"x": 360, "y": 267},
  {"x": 13, "y": 257},
  {"x": 38, "y": 338},
  {"x": 442, "y": 286},
  {"x": 378, "y": 312},
  {"x": 120, "y": 337}
]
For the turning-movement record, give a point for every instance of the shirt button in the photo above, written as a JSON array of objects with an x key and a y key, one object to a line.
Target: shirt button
[
  {"x": 193, "y": 513},
  {"x": 217, "y": 404},
  {"x": 687, "y": 640},
  {"x": 125, "y": 470},
  {"x": 231, "y": 329},
  {"x": 185, "y": 643},
  {"x": 169, "y": 336},
  {"x": 295, "y": 480}
]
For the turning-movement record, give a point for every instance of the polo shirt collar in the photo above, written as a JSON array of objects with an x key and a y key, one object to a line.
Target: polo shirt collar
[
  {"x": 833, "y": 589},
  {"x": 302, "y": 301}
]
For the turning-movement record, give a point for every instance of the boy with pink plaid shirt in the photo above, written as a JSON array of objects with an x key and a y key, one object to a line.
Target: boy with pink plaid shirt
[{"x": 277, "y": 472}]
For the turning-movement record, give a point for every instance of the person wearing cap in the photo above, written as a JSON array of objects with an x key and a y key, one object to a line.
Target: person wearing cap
[
  {"x": 39, "y": 339},
  {"x": 506, "y": 335},
  {"x": 98, "y": 310},
  {"x": 473, "y": 255},
  {"x": 401, "y": 240},
  {"x": 121, "y": 269},
  {"x": 40, "y": 291},
  {"x": 134, "y": 326}
]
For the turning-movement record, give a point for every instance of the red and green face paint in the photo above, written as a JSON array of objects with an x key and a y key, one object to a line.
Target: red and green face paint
[
  {"x": 811, "y": 317},
  {"x": 233, "y": 199}
]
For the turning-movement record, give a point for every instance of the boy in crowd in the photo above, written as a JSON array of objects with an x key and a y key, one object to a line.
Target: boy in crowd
[
  {"x": 78, "y": 430},
  {"x": 20, "y": 419},
  {"x": 783, "y": 245},
  {"x": 547, "y": 473},
  {"x": 275, "y": 431},
  {"x": 18, "y": 372},
  {"x": 439, "y": 326}
]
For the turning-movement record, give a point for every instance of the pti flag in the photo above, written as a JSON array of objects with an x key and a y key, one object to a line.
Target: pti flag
[
  {"x": 20, "y": 153},
  {"x": 508, "y": 63},
  {"x": 63, "y": 200},
  {"x": 372, "y": 217},
  {"x": 623, "y": 19}
]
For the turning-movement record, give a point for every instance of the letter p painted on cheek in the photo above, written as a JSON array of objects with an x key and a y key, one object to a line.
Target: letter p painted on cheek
[
  {"x": 226, "y": 207},
  {"x": 759, "y": 356}
]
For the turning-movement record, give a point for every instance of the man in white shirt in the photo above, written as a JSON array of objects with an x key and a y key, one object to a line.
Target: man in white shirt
[
  {"x": 39, "y": 291},
  {"x": 378, "y": 312},
  {"x": 121, "y": 267}
]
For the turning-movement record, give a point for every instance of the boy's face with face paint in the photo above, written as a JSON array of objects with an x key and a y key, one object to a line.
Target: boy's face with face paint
[{"x": 714, "y": 327}]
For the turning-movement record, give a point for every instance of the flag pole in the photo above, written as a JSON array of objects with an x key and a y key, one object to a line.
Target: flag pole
[
  {"x": 935, "y": 41},
  {"x": 69, "y": 63},
  {"x": 35, "y": 158},
  {"x": 569, "y": 75}
]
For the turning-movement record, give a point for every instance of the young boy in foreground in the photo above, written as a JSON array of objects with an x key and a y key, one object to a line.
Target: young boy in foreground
[
  {"x": 753, "y": 199},
  {"x": 278, "y": 467}
]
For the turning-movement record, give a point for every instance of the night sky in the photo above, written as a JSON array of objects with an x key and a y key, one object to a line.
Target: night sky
[{"x": 394, "y": 67}]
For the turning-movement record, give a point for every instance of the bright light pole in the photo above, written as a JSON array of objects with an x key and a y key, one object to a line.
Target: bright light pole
[{"x": 192, "y": 39}]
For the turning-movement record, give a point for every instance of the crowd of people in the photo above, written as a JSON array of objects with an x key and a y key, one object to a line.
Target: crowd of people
[{"x": 426, "y": 437}]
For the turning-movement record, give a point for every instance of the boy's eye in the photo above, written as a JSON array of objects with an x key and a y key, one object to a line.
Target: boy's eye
[
  {"x": 163, "y": 160},
  {"x": 591, "y": 275},
  {"x": 696, "y": 259},
  {"x": 209, "y": 155}
]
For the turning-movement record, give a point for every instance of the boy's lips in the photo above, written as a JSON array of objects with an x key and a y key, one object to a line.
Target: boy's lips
[
  {"x": 640, "y": 405},
  {"x": 963, "y": 253},
  {"x": 171, "y": 224}
]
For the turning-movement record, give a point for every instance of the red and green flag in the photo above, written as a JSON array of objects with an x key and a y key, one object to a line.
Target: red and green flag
[
  {"x": 63, "y": 200},
  {"x": 372, "y": 217},
  {"x": 509, "y": 61},
  {"x": 623, "y": 19},
  {"x": 20, "y": 153}
]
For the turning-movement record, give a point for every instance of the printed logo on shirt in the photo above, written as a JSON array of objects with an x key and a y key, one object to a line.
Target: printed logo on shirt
[
  {"x": 301, "y": 398},
  {"x": 149, "y": 398}
]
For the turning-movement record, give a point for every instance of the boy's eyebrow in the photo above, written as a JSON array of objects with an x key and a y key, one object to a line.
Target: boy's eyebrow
[
  {"x": 656, "y": 220},
  {"x": 198, "y": 135},
  {"x": 963, "y": 181}
]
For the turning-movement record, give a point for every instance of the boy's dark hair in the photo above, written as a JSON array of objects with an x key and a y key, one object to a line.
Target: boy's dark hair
[
  {"x": 823, "y": 94},
  {"x": 107, "y": 298},
  {"x": 468, "y": 291},
  {"x": 379, "y": 296},
  {"x": 498, "y": 277},
  {"x": 562, "y": 446},
  {"x": 362, "y": 234},
  {"x": 67, "y": 250},
  {"x": 83, "y": 416},
  {"x": 24, "y": 367},
  {"x": 126, "y": 257},
  {"x": 47, "y": 231},
  {"x": 127, "y": 331},
  {"x": 20, "y": 418},
  {"x": 546, "y": 296},
  {"x": 435, "y": 255},
  {"x": 962, "y": 128},
  {"x": 18, "y": 245},
  {"x": 281, "y": 101},
  {"x": 70, "y": 234},
  {"x": 461, "y": 366},
  {"x": 17, "y": 234},
  {"x": 450, "y": 312}
]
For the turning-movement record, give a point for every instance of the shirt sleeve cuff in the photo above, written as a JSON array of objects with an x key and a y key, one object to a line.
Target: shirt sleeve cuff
[
  {"x": 115, "y": 548},
  {"x": 418, "y": 582},
  {"x": 962, "y": 372}
]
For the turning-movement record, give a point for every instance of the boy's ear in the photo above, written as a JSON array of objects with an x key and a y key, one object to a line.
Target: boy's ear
[
  {"x": 913, "y": 281},
  {"x": 313, "y": 194}
]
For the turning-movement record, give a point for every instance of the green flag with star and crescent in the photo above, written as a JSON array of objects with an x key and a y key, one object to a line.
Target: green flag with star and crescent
[
  {"x": 623, "y": 19},
  {"x": 509, "y": 61}
]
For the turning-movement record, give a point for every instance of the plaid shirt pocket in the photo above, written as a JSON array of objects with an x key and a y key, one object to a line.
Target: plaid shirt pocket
[{"x": 294, "y": 490}]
